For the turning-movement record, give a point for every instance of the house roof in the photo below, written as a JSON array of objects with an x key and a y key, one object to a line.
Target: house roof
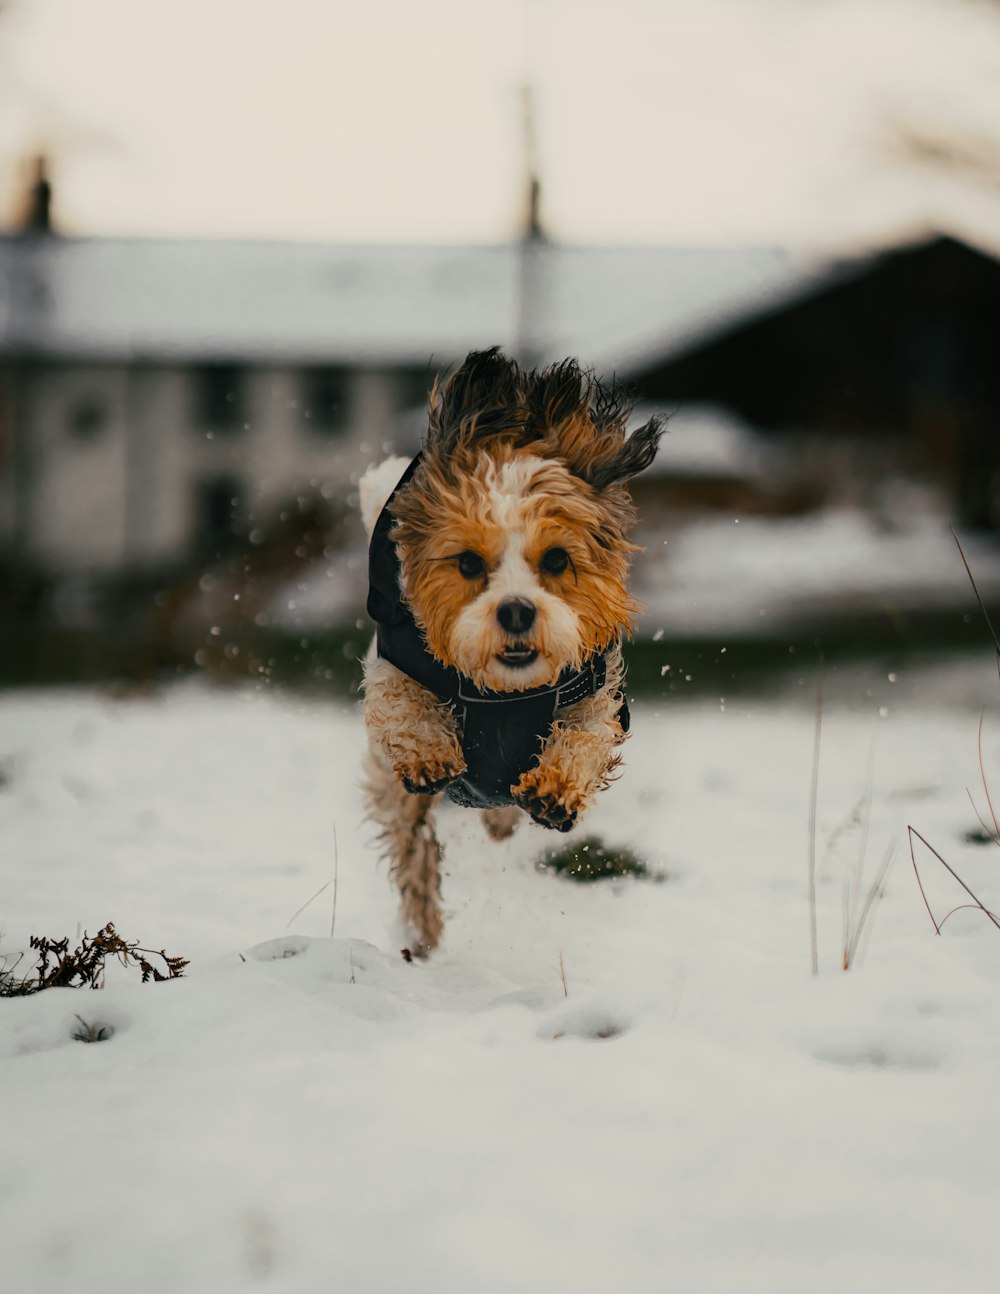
[
  {"x": 104, "y": 298},
  {"x": 807, "y": 286}
]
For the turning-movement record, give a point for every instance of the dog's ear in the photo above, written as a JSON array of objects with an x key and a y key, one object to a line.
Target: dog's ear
[
  {"x": 630, "y": 457},
  {"x": 561, "y": 404},
  {"x": 482, "y": 398},
  {"x": 583, "y": 420}
]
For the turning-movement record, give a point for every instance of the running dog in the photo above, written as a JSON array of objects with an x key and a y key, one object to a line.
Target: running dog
[{"x": 498, "y": 568}]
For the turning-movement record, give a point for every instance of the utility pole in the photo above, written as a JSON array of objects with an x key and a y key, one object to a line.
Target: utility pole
[{"x": 531, "y": 246}]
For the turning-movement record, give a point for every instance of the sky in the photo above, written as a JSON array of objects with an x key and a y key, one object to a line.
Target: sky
[{"x": 812, "y": 123}]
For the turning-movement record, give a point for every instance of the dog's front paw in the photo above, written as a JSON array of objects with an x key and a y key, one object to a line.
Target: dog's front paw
[
  {"x": 425, "y": 774},
  {"x": 547, "y": 802},
  {"x": 424, "y": 783}
]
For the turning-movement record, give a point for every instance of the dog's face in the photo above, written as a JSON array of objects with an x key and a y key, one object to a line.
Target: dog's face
[
  {"x": 513, "y": 563},
  {"x": 519, "y": 576}
]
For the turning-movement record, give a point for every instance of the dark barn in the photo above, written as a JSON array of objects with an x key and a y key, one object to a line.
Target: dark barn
[{"x": 882, "y": 367}]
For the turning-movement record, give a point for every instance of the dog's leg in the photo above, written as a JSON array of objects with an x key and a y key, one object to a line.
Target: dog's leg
[
  {"x": 416, "y": 733},
  {"x": 578, "y": 759},
  {"x": 414, "y": 752},
  {"x": 406, "y": 833}
]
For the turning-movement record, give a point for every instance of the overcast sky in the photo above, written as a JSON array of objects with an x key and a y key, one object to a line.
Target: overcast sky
[{"x": 656, "y": 120}]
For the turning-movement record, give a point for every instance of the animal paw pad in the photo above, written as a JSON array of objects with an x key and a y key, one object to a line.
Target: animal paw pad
[
  {"x": 547, "y": 811},
  {"x": 428, "y": 783}
]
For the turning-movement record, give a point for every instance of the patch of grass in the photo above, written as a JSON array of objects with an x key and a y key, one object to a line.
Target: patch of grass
[
  {"x": 91, "y": 1032},
  {"x": 590, "y": 859},
  {"x": 977, "y": 836}
]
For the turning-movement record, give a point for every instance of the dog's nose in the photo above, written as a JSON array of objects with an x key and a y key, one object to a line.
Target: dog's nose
[{"x": 516, "y": 616}]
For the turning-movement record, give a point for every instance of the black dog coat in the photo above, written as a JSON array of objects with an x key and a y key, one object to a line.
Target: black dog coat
[{"x": 501, "y": 732}]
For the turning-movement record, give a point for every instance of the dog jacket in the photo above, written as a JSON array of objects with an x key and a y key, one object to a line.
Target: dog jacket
[{"x": 501, "y": 732}]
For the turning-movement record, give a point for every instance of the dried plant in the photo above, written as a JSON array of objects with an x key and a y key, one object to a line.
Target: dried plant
[
  {"x": 58, "y": 966},
  {"x": 858, "y": 915},
  {"x": 976, "y": 902},
  {"x": 990, "y": 827}
]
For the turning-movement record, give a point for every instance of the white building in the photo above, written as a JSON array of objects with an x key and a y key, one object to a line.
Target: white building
[{"x": 155, "y": 394}]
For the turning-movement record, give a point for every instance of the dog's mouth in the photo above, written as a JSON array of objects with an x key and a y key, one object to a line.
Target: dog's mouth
[{"x": 517, "y": 657}]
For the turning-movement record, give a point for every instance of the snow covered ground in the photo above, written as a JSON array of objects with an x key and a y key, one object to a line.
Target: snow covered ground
[
  {"x": 695, "y": 1112},
  {"x": 761, "y": 576}
]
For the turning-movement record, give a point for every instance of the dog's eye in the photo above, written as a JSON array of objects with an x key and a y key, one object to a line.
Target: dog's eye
[
  {"x": 555, "y": 561},
  {"x": 471, "y": 565}
]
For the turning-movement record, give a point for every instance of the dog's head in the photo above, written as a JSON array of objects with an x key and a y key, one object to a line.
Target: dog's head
[{"x": 513, "y": 532}]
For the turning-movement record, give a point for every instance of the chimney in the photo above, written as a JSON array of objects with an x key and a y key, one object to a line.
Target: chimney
[{"x": 37, "y": 206}]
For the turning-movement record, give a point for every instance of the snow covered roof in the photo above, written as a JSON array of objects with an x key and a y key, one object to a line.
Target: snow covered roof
[
  {"x": 706, "y": 441},
  {"x": 156, "y": 299},
  {"x": 625, "y": 306}
]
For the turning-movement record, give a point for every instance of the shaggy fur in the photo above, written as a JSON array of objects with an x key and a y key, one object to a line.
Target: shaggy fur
[{"x": 513, "y": 543}]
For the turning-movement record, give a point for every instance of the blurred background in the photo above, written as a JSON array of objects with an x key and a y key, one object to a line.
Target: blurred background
[{"x": 239, "y": 240}]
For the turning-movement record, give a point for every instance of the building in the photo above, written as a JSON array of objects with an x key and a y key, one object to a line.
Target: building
[
  {"x": 873, "y": 369},
  {"x": 158, "y": 396}
]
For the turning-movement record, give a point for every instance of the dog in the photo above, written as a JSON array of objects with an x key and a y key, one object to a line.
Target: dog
[{"x": 498, "y": 567}]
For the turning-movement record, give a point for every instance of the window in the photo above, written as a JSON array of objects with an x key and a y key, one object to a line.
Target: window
[
  {"x": 220, "y": 397},
  {"x": 87, "y": 417},
  {"x": 415, "y": 387},
  {"x": 326, "y": 400}
]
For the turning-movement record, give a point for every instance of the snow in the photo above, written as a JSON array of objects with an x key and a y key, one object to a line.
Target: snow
[
  {"x": 323, "y": 594},
  {"x": 307, "y": 1112},
  {"x": 706, "y": 440},
  {"x": 750, "y": 576}
]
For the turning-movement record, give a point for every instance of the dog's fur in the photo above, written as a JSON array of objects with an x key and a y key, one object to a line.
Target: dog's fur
[{"x": 513, "y": 543}]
